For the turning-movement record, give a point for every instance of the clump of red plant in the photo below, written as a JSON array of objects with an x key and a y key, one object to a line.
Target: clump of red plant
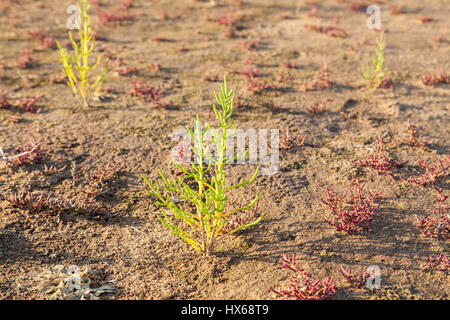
[
  {"x": 2, "y": 67},
  {"x": 358, "y": 6},
  {"x": 289, "y": 64},
  {"x": 441, "y": 263},
  {"x": 425, "y": 19},
  {"x": 251, "y": 72},
  {"x": 437, "y": 227},
  {"x": 28, "y": 155},
  {"x": 52, "y": 204},
  {"x": 379, "y": 161},
  {"x": 25, "y": 59},
  {"x": 412, "y": 138},
  {"x": 30, "y": 104},
  {"x": 307, "y": 287},
  {"x": 440, "y": 76},
  {"x": 122, "y": 68},
  {"x": 99, "y": 181},
  {"x": 150, "y": 93},
  {"x": 353, "y": 211},
  {"x": 116, "y": 16},
  {"x": 431, "y": 171},
  {"x": 320, "y": 107},
  {"x": 289, "y": 141},
  {"x": 358, "y": 280},
  {"x": 330, "y": 30},
  {"x": 257, "y": 86},
  {"x": 387, "y": 83},
  {"x": 156, "y": 66},
  {"x": 4, "y": 104},
  {"x": 46, "y": 41},
  {"x": 50, "y": 170},
  {"x": 321, "y": 80}
]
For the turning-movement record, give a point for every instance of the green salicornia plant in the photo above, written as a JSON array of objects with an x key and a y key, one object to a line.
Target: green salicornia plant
[
  {"x": 375, "y": 72},
  {"x": 198, "y": 213},
  {"x": 76, "y": 67}
]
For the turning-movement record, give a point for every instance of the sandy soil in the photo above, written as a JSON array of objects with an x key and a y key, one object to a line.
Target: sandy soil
[{"x": 128, "y": 245}]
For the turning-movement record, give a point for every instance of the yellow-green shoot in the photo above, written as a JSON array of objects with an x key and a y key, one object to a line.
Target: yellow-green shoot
[
  {"x": 77, "y": 67},
  {"x": 198, "y": 213},
  {"x": 375, "y": 72}
]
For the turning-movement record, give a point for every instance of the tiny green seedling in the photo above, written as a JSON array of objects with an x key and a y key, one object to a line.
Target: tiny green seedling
[
  {"x": 375, "y": 72},
  {"x": 77, "y": 67},
  {"x": 202, "y": 226}
]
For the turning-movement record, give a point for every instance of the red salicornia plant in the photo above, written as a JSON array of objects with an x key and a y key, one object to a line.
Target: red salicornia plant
[
  {"x": 25, "y": 59},
  {"x": 99, "y": 181},
  {"x": 30, "y": 104},
  {"x": 303, "y": 285},
  {"x": 40, "y": 203},
  {"x": 379, "y": 161},
  {"x": 436, "y": 225},
  {"x": 150, "y": 93},
  {"x": 431, "y": 171},
  {"x": 320, "y": 107},
  {"x": 46, "y": 41},
  {"x": 440, "y": 263},
  {"x": 289, "y": 141},
  {"x": 28, "y": 155},
  {"x": 358, "y": 280},
  {"x": 4, "y": 104},
  {"x": 320, "y": 81},
  {"x": 440, "y": 76},
  {"x": 353, "y": 211}
]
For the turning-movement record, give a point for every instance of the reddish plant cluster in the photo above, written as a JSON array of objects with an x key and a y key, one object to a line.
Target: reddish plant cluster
[
  {"x": 321, "y": 80},
  {"x": 358, "y": 6},
  {"x": 387, "y": 83},
  {"x": 381, "y": 163},
  {"x": 2, "y": 67},
  {"x": 251, "y": 72},
  {"x": 412, "y": 138},
  {"x": 4, "y": 104},
  {"x": 150, "y": 93},
  {"x": 258, "y": 86},
  {"x": 118, "y": 15},
  {"x": 426, "y": 19},
  {"x": 98, "y": 182},
  {"x": 48, "y": 171},
  {"x": 439, "y": 226},
  {"x": 330, "y": 30},
  {"x": 431, "y": 172},
  {"x": 122, "y": 68},
  {"x": 288, "y": 64},
  {"x": 46, "y": 41},
  {"x": 358, "y": 280},
  {"x": 25, "y": 59},
  {"x": 320, "y": 107},
  {"x": 30, "y": 104},
  {"x": 308, "y": 288},
  {"x": 50, "y": 204},
  {"x": 28, "y": 155},
  {"x": 289, "y": 141},
  {"x": 156, "y": 66},
  {"x": 441, "y": 263},
  {"x": 440, "y": 76},
  {"x": 354, "y": 211}
]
